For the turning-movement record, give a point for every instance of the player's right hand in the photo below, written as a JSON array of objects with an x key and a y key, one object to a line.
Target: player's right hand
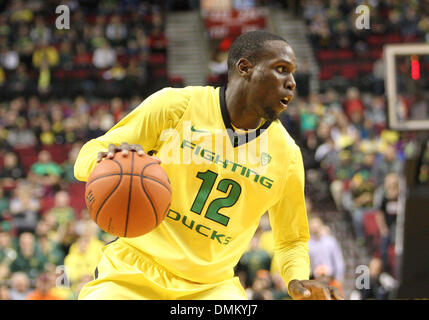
[
  {"x": 124, "y": 148},
  {"x": 313, "y": 290}
]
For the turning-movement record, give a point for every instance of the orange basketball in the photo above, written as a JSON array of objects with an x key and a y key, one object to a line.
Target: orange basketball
[{"x": 128, "y": 196}]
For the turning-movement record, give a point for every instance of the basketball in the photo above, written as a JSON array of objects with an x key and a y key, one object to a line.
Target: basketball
[{"x": 128, "y": 196}]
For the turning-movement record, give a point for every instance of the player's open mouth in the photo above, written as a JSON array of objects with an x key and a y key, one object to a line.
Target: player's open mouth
[{"x": 285, "y": 101}]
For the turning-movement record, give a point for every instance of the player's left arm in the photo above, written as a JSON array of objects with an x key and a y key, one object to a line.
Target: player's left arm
[{"x": 288, "y": 219}]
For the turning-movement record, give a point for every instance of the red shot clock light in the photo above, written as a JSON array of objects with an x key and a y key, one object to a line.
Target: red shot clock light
[{"x": 415, "y": 67}]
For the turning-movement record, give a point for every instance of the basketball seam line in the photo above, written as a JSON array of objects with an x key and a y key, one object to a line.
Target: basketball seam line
[
  {"x": 148, "y": 196},
  {"x": 114, "y": 189},
  {"x": 129, "y": 195},
  {"x": 156, "y": 180},
  {"x": 129, "y": 174}
]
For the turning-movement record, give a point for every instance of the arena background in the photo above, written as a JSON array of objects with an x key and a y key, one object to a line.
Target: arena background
[{"x": 70, "y": 69}]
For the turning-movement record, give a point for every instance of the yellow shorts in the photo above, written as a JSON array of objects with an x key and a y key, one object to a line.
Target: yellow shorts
[{"x": 123, "y": 273}]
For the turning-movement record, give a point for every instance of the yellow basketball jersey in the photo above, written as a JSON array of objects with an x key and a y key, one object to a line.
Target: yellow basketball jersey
[{"x": 222, "y": 183}]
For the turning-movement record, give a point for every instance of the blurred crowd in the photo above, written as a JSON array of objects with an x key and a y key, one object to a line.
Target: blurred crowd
[
  {"x": 332, "y": 24},
  {"x": 109, "y": 48},
  {"x": 47, "y": 238},
  {"x": 349, "y": 52}
]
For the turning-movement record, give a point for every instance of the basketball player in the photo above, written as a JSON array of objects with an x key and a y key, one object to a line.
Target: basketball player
[{"x": 216, "y": 203}]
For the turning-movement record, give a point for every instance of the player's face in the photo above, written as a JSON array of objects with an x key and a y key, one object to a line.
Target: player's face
[{"x": 272, "y": 85}]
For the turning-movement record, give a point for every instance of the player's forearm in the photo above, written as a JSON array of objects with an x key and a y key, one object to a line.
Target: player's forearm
[
  {"x": 87, "y": 158},
  {"x": 293, "y": 260}
]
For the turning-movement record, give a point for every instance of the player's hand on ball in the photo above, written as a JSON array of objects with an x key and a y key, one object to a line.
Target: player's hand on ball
[
  {"x": 312, "y": 290},
  {"x": 124, "y": 148}
]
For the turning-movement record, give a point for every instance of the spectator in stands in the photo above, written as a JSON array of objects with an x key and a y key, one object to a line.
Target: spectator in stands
[
  {"x": 116, "y": 31},
  {"x": 9, "y": 58},
  {"x": 24, "y": 207},
  {"x": 388, "y": 163},
  {"x": 261, "y": 286},
  {"x": 409, "y": 22},
  {"x": 308, "y": 117},
  {"x": 66, "y": 56},
  {"x": 44, "y": 80},
  {"x": 20, "y": 286},
  {"x": 45, "y": 52},
  {"x": 2, "y": 79},
  {"x": 4, "y": 204},
  {"x": 40, "y": 32},
  {"x": 325, "y": 250},
  {"x": 4, "y": 292},
  {"x": 157, "y": 41},
  {"x": 67, "y": 166},
  {"x": 11, "y": 172},
  {"x": 324, "y": 274},
  {"x": 218, "y": 65},
  {"x": 343, "y": 132},
  {"x": 104, "y": 56},
  {"x": 84, "y": 254},
  {"x": 62, "y": 211},
  {"x": 29, "y": 258},
  {"x": 46, "y": 134},
  {"x": 381, "y": 284},
  {"x": 377, "y": 113},
  {"x": 82, "y": 58},
  {"x": 378, "y": 74},
  {"x": 7, "y": 250},
  {"x": 341, "y": 173},
  {"x": 64, "y": 235},
  {"x": 117, "y": 72},
  {"x": 49, "y": 245},
  {"x": 19, "y": 12},
  {"x": 45, "y": 172},
  {"x": 21, "y": 136},
  {"x": 358, "y": 200},
  {"x": 353, "y": 102},
  {"x": 19, "y": 82},
  {"x": 44, "y": 288},
  {"x": 253, "y": 260},
  {"x": 386, "y": 216}
]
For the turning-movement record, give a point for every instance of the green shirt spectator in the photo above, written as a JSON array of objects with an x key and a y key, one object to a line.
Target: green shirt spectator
[
  {"x": 62, "y": 211},
  {"x": 29, "y": 257}
]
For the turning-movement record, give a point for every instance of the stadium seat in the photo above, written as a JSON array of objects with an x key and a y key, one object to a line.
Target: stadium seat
[
  {"x": 371, "y": 229},
  {"x": 325, "y": 74},
  {"x": 157, "y": 59},
  {"x": 77, "y": 197},
  {"x": 344, "y": 54},
  {"x": 349, "y": 71},
  {"x": 59, "y": 153},
  {"x": 46, "y": 203},
  {"x": 324, "y": 55},
  {"x": 393, "y": 38},
  {"x": 176, "y": 81},
  {"x": 27, "y": 156}
]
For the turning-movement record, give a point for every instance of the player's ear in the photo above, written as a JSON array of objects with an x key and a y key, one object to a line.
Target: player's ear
[{"x": 244, "y": 67}]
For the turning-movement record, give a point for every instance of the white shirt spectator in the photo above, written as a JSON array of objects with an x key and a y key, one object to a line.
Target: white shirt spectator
[
  {"x": 9, "y": 60},
  {"x": 104, "y": 57}
]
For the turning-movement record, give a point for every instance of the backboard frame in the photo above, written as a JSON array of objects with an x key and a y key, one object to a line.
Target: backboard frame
[{"x": 390, "y": 51}]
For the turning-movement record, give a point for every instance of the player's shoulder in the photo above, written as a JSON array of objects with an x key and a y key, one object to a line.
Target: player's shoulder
[
  {"x": 282, "y": 136},
  {"x": 184, "y": 95},
  {"x": 187, "y": 90}
]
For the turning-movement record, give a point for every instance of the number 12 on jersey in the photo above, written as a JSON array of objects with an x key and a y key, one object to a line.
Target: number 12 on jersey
[{"x": 209, "y": 179}]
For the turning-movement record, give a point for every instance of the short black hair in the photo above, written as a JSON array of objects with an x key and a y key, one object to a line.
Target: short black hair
[{"x": 250, "y": 46}]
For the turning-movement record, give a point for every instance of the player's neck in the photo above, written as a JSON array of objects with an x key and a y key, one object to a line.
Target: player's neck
[{"x": 240, "y": 114}]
